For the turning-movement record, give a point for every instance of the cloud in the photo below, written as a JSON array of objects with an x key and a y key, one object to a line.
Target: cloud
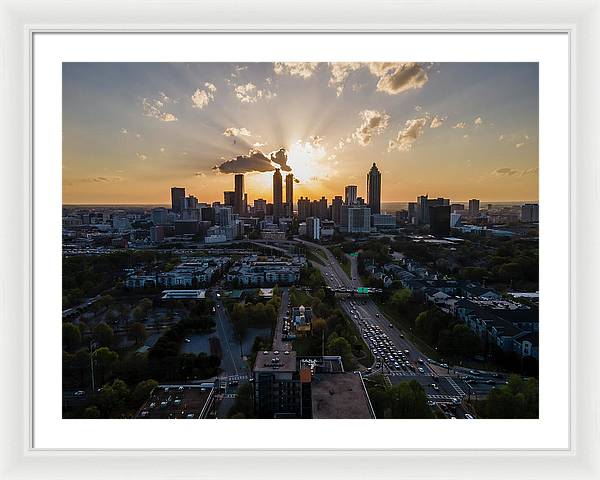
[
  {"x": 162, "y": 149},
  {"x": 339, "y": 74},
  {"x": 141, "y": 156},
  {"x": 530, "y": 171},
  {"x": 374, "y": 123},
  {"x": 102, "y": 179},
  {"x": 395, "y": 78},
  {"x": 460, "y": 125},
  {"x": 237, "y": 132},
  {"x": 437, "y": 122},
  {"x": 137, "y": 135},
  {"x": 418, "y": 108},
  {"x": 478, "y": 121},
  {"x": 155, "y": 108},
  {"x": 200, "y": 174},
  {"x": 255, "y": 161},
  {"x": 316, "y": 140},
  {"x": 201, "y": 98},
  {"x": 297, "y": 69},
  {"x": 509, "y": 172},
  {"x": 406, "y": 137},
  {"x": 124, "y": 131},
  {"x": 249, "y": 93},
  {"x": 520, "y": 140},
  {"x": 259, "y": 145}
]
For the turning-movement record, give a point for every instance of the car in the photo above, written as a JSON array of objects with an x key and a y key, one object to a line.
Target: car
[
  {"x": 490, "y": 382},
  {"x": 420, "y": 360},
  {"x": 369, "y": 369},
  {"x": 455, "y": 401},
  {"x": 406, "y": 352},
  {"x": 444, "y": 365},
  {"x": 435, "y": 387},
  {"x": 187, "y": 340},
  {"x": 377, "y": 315},
  {"x": 473, "y": 372},
  {"x": 431, "y": 403},
  {"x": 79, "y": 393},
  {"x": 391, "y": 325},
  {"x": 421, "y": 370}
]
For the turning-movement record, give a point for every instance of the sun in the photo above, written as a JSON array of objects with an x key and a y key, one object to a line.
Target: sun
[{"x": 306, "y": 160}]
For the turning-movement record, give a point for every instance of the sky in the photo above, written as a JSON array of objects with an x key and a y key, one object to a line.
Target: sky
[{"x": 131, "y": 131}]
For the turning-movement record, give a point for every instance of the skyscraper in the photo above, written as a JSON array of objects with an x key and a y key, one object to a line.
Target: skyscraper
[
  {"x": 322, "y": 212},
  {"x": 229, "y": 198},
  {"x": 277, "y": 195},
  {"x": 374, "y": 189},
  {"x": 336, "y": 209},
  {"x": 473, "y": 207},
  {"x": 289, "y": 194},
  {"x": 177, "y": 196},
  {"x": 351, "y": 192},
  {"x": 238, "y": 199},
  {"x": 530, "y": 213},
  {"x": 439, "y": 220},
  {"x": 303, "y": 209}
]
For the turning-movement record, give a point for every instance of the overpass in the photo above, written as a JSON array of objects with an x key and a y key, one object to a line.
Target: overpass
[{"x": 354, "y": 292}]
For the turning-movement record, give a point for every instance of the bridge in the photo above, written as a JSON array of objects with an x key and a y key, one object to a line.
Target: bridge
[{"x": 354, "y": 292}]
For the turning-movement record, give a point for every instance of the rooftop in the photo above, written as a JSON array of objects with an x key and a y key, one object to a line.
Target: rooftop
[
  {"x": 177, "y": 294},
  {"x": 268, "y": 361},
  {"x": 177, "y": 401},
  {"x": 340, "y": 395}
]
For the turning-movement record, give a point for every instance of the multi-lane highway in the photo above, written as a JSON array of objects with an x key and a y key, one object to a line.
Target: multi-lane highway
[{"x": 395, "y": 356}]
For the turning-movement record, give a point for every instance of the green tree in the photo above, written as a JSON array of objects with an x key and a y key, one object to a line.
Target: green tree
[
  {"x": 71, "y": 337},
  {"x": 138, "y": 314},
  {"x": 340, "y": 346},
  {"x": 103, "y": 334},
  {"x": 318, "y": 325},
  {"x": 142, "y": 391},
  {"x": 91, "y": 412},
  {"x": 400, "y": 299},
  {"x": 104, "y": 359},
  {"x": 137, "y": 332}
]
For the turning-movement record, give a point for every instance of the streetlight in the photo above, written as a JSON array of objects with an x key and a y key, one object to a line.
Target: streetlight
[{"x": 93, "y": 347}]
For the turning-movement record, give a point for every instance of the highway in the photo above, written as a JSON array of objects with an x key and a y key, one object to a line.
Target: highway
[{"x": 402, "y": 360}]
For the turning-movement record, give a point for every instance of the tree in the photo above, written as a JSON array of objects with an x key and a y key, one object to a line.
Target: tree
[
  {"x": 91, "y": 412},
  {"x": 71, "y": 337},
  {"x": 104, "y": 359},
  {"x": 400, "y": 299},
  {"x": 318, "y": 325},
  {"x": 142, "y": 391},
  {"x": 113, "y": 397},
  {"x": 138, "y": 314},
  {"x": 138, "y": 333},
  {"x": 340, "y": 346},
  {"x": 145, "y": 304},
  {"x": 104, "y": 334}
]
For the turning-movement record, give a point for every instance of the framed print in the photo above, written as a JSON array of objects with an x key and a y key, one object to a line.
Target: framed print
[{"x": 327, "y": 246}]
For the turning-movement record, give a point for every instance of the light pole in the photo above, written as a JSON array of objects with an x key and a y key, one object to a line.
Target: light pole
[{"x": 93, "y": 346}]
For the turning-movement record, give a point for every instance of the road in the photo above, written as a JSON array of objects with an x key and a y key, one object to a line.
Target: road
[
  {"x": 231, "y": 361},
  {"x": 402, "y": 360},
  {"x": 278, "y": 342}
]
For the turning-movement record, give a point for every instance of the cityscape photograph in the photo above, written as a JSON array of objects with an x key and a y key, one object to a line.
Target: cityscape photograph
[{"x": 277, "y": 240}]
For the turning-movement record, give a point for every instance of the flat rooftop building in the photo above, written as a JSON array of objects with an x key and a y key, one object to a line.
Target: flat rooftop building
[
  {"x": 340, "y": 396},
  {"x": 178, "y": 401}
]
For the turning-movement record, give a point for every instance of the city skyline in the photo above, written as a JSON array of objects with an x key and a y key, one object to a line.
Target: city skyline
[{"x": 453, "y": 130}]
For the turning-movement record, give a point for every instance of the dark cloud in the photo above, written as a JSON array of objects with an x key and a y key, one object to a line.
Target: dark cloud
[
  {"x": 505, "y": 171},
  {"x": 280, "y": 158},
  {"x": 255, "y": 161}
]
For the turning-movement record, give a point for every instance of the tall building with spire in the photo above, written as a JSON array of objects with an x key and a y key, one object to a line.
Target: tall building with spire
[
  {"x": 289, "y": 194},
  {"x": 374, "y": 189},
  {"x": 277, "y": 195},
  {"x": 238, "y": 199}
]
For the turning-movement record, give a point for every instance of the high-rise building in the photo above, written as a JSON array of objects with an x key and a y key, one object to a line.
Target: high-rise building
[
  {"x": 336, "y": 209},
  {"x": 350, "y": 192},
  {"x": 260, "y": 207},
  {"x": 322, "y": 211},
  {"x": 190, "y": 202},
  {"x": 457, "y": 207},
  {"x": 439, "y": 220},
  {"x": 177, "y": 196},
  {"x": 303, "y": 209},
  {"x": 473, "y": 207},
  {"x": 223, "y": 215},
  {"x": 229, "y": 198},
  {"x": 412, "y": 212},
  {"x": 313, "y": 228},
  {"x": 238, "y": 199},
  {"x": 159, "y": 216},
  {"x": 277, "y": 195},
  {"x": 530, "y": 213},
  {"x": 289, "y": 194},
  {"x": 423, "y": 204},
  {"x": 374, "y": 189},
  {"x": 355, "y": 219}
]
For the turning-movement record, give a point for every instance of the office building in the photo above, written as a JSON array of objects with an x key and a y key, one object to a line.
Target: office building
[
  {"x": 412, "y": 212},
  {"x": 457, "y": 207},
  {"x": 277, "y": 196},
  {"x": 190, "y": 202},
  {"x": 423, "y": 204},
  {"x": 374, "y": 189},
  {"x": 355, "y": 219},
  {"x": 383, "y": 221},
  {"x": 229, "y": 198},
  {"x": 473, "y": 207},
  {"x": 177, "y": 196},
  {"x": 238, "y": 198},
  {"x": 439, "y": 220},
  {"x": 336, "y": 209},
  {"x": 289, "y": 194},
  {"x": 260, "y": 207},
  {"x": 351, "y": 192},
  {"x": 159, "y": 216},
  {"x": 322, "y": 210},
  {"x": 530, "y": 213},
  {"x": 223, "y": 215},
  {"x": 303, "y": 209},
  {"x": 313, "y": 228}
]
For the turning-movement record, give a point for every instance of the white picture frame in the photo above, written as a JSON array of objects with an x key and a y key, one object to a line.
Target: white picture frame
[{"x": 19, "y": 22}]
